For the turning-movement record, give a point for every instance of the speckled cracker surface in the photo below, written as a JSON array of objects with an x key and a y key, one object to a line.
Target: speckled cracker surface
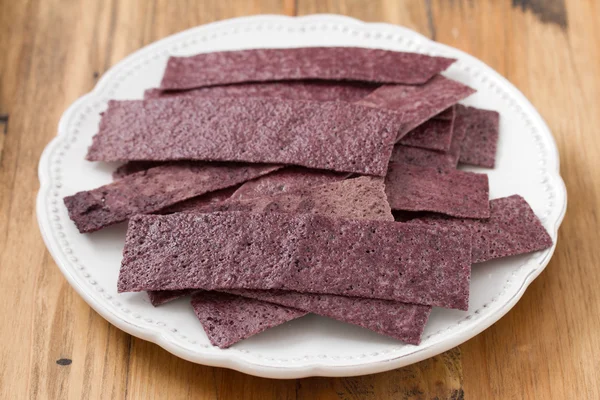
[
  {"x": 481, "y": 136},
  {"x": 417, "y": 104},
  {"x": 447, "y": 191},
  {"x": 513, "y": 228},
  {"x": 400, "y": 321},
  {"x": 286, "y": 180},
  {"x": 358, "y": 198},
  {"x": 433, "y": 134},
  {"x": 227, "y": 319},
  {"x": 422, "y": 157},
  {"x": 291, "y": 90},
  {"x": 151, "y": 190},
  {"x": 304, "y": 253},
  {"x": 324, "y": 63},
  {"x": 327, "y": 135}
]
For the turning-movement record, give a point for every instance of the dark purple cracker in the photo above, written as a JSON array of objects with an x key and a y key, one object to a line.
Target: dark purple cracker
[
  {"x": 304, "y": 253},
  {"x": 132, "y": 167},
  {"x": 433, "y": 134},
  {"x": 323, "y": 63},
  {"x": 417, "y": 104},
  {"x": 447, "y": 191},
  {"x": 512, "y": 229},
  {"x": 227, "y": 319},
  {"x": 336, "y": 136},
  {"x": 160, "y": 297},
  {"x": 481, "y": 139},
  {"x": 286, "y": 180},
  {"x": 154, "y": 189},
  {"x": 291, "y": 90},
  {"x": 400, "y": 321}
]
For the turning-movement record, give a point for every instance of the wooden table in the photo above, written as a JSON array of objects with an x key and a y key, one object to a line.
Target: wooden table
[{"x": 53, "y": 346}]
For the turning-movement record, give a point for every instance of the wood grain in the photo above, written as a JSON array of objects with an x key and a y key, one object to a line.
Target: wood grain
[{"x": 52, "y": 345}]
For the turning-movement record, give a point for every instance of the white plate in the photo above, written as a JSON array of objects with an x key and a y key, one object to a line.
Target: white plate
[{"x": 527, "y": 164}]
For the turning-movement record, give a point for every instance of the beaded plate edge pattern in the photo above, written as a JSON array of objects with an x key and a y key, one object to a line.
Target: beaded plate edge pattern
[{"x": 177, "y": 342}]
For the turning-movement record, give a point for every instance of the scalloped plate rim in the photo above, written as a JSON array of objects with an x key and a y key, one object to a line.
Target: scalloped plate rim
[{"x": 228, "y": 360}]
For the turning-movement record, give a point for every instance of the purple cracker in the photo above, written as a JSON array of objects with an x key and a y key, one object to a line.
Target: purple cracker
[
  {"x": 360, "y": 198},
  {"x": 422, "y": 157},
  {"x": 417, "y": 104},
  {"x": 433, "y": 134},
  {"x": 481, "y": 139},
  {"x": 286, "y": 180},
  {"x": 512, "y": 229},
  {"x": 323, "y": 63},
  {"x": 304, "y": 253},
  {"x": 327, "y": 135},
  {"x": 291, "y": 90},
  {"x": 227, "y": 319},
  {"x": 201, "y": 201},
  {"x": 132, "y": 167},
  {"x": 151, "y": 190},
  {"x": 451, "y": 192},
  {"x": 400, "y": 321}
]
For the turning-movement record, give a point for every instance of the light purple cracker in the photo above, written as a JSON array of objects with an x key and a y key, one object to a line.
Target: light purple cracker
[
  {"x": 417, "y": 104},
  {"x": 433, "y": 134},
  {"x": 512, "y": 229},
  {"x": 304, "y": 253},
  {"x": 325, "y": 135},
  {"x": 291, "y": 90},
  {"x": 154, "y": 189},
  {"x": 286, "y": 180},
  {"x": 400, "y": 321},
  {"x": 227, "y": 319},
  {"x": 358, "y": 198},
  {"x": 447, "y": 191},
  {"x": 323, "y": 63},
  {"x": 481, "y": 139}
]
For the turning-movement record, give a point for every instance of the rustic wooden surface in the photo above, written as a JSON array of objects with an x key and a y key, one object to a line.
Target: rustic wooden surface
[{"x": 53, "y": 346}]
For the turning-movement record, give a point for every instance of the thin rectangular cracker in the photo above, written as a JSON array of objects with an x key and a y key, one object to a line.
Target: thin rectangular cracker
[
  {"x": 227, "y": 318},
  {"x": 154, "y": 189},
  {"x": 433, "y": 134},
  {"x": 447, "y": 191},
  {"x": 286, "y": 180},
  {"x": 422, "y": 157},
  {"x": 359, "y": 198},
  {"x": 291, "y": 90},
  {"x": 323, "y": 63},
  {"x": 512, "y": 229},
  {"x": 304, "y": 253},
  {"x": 325, "y": 135},
  {"x": 482, "y": 128},
  {"x": 417, "y": 104},
  {"x": 401, "y": 321}
]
